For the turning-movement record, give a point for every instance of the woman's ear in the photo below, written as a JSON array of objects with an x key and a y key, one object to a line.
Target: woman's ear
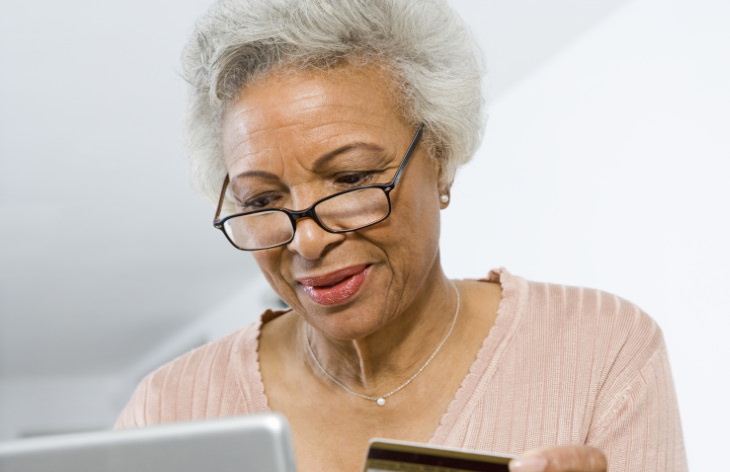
[
  {"x": 444, "y": 198},
  {"x": 444, "y": 187},
  {"x": 444, "y": 194}
]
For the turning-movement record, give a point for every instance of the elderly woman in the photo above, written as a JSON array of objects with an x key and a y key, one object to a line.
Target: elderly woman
[{"x": 329, "y": 133}]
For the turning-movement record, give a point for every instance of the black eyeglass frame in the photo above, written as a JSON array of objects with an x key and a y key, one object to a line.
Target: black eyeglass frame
[{"x": 295, "y": 216}]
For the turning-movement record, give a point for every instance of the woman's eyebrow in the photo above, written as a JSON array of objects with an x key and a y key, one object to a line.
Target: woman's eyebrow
[
  {"x": 321, "y": 162},
  {"x": 255, "y": 174},
  {"x": 319, "y": 165}
]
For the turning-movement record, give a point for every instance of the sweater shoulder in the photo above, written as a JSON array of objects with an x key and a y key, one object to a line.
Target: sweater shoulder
[
  {"x": 608, "y": 335},
  {"x": 212, "y": 380},
  {"x": 597, "y": 312}
]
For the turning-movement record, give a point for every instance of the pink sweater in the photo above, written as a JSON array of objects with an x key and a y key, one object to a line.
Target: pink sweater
[{"x": 562, "y": 365}]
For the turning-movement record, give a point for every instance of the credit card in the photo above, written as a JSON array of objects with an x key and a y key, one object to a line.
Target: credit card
[{"x": 385, "y": 455}]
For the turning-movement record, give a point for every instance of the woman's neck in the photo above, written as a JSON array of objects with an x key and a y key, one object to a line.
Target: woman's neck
[{"x": 382, "y": 361}]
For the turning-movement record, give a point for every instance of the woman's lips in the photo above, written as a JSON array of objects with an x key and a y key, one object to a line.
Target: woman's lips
[{"x": 336, "y": 287}]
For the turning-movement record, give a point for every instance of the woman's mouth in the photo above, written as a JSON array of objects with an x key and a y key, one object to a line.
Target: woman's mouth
[{"x": 336, "y": 287}]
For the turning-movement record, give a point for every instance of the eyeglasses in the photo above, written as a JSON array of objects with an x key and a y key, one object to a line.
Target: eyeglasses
[{"x": 346, "y": 211}]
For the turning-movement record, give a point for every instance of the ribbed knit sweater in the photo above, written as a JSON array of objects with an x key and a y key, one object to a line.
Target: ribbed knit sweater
[{"x": 562, "y": 365}]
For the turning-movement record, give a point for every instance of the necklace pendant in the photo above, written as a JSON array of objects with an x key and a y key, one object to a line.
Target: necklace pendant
[{"x": 380, "y": 401}]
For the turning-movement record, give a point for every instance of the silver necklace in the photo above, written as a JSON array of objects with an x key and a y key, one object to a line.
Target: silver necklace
[{"x": 380, "y": 401}]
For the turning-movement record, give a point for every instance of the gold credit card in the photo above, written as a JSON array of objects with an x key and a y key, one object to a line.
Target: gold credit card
[{"x": 386, "y": 455}]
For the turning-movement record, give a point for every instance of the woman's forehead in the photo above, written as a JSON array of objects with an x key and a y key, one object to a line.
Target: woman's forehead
[{"x": 307, "y": 116}]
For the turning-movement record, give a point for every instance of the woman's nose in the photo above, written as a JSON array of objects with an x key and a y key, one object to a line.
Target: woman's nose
[{"x": 311, "y": 241}]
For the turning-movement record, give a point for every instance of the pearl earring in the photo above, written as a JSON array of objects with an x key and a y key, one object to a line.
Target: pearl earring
[{"x": 444, "y": 198}]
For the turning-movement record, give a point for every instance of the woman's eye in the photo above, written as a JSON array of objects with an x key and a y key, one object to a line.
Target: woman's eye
[
  {"x": 258, "y": 202},
  {"x": 354, "y": 178}
]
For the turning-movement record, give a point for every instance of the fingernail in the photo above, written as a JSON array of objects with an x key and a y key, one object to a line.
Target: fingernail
[{"x": 528, "y": 464}]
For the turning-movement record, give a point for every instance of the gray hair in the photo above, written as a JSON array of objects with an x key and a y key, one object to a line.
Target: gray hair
[{"x": 435, "y": 63}]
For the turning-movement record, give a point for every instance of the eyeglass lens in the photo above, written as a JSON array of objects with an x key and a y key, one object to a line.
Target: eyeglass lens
[{"x": 342, "y": 212}]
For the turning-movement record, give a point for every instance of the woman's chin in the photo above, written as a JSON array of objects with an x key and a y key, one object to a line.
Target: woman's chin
[{"x": 348, "y": 324}]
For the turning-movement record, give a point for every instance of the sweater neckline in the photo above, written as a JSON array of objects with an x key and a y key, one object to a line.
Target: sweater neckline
[
  {"x": 483, "y": 367},
  {"x": 487, "y": 358}
]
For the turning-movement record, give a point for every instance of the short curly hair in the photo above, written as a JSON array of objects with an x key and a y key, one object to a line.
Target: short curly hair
[{"x": 434, "y": 60}]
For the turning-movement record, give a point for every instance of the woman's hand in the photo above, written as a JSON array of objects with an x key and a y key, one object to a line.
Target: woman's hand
[{"x": 560, "y": 459}]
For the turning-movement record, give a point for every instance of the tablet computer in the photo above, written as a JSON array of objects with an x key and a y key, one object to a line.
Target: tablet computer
[
  {"x": 387, "y": 455},
  {"x": 251, "y": 443}
]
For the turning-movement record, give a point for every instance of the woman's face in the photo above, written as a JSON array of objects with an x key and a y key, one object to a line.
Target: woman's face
[{"x": 292, "y": 139}]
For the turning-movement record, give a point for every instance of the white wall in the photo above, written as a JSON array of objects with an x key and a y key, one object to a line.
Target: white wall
[
  {"x": 608, "y": 168},
  {"x": 33, "y": 406}
]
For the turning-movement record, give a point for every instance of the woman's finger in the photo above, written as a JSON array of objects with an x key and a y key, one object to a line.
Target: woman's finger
[{"x": 560, "y": 459}]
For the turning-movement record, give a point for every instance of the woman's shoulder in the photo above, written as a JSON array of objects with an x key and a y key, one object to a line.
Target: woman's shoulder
[
  {"x": 208, "y": 381},
  {"x": 216, "y": 352},
  {"x": 241, "y": 344},
  {"x": 579, "y": 329},
  {"x": 562, "y": 306},
  {"x": 595, "y": 325}
]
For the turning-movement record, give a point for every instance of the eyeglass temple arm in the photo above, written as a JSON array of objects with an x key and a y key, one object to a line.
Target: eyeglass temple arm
[
  {"x": 410, "y": 150},
  {"x": 220, "y": 200}
]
